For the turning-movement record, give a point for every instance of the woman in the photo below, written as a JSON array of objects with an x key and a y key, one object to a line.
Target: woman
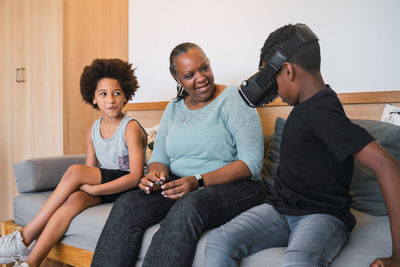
[{"x": 204, "y": 171}]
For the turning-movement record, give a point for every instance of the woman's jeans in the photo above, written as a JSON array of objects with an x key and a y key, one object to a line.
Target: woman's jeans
[
  {"x": 312, "y": 240},
  {"x": 174, "y": 244}
]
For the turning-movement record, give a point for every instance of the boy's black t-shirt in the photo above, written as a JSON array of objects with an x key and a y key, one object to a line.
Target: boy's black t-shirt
[{"x": 316, "y": 162}]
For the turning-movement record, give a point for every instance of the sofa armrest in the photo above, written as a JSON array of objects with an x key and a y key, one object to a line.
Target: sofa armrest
[{"x": 41, "y": 174}]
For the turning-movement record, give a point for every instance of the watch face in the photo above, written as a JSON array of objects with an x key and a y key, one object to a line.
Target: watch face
[
  {"x": 199, "y": 180},
  {"x": 201, "y": 184}
]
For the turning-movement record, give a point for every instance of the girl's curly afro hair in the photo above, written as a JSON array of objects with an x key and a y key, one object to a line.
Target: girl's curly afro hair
[{"x": 107, "y": 68}]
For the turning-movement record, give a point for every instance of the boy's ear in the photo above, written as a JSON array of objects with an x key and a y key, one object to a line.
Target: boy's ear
[
  {"x": 94, "y": 101},
  {"x": 288, "y": 70}
]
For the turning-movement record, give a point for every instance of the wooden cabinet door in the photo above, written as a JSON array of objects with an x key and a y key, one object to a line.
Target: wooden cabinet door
[
  {"x": 31, "y": 87},
  {"x": 41, "y": 97},
  {"x": 10, "y": 64}
]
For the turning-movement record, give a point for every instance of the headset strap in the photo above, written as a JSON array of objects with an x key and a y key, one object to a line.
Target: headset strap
[{"x": 280, "y": 57}]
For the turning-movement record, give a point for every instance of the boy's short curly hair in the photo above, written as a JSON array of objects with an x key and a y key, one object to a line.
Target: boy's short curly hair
[
  {"x": 107, "y": 68},
  {"x": 307, "y": 57}
]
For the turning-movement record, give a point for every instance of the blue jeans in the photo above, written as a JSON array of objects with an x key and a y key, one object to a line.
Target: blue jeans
[
  {"x": 311, "y": 240},
  {"x": 182, "y": 223}
]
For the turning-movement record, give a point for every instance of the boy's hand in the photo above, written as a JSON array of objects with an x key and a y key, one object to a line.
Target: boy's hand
[
  {"x": 387, "y": 262},
  {"x": 152, "y": 181},
  {"x": 177, "y": 188}
]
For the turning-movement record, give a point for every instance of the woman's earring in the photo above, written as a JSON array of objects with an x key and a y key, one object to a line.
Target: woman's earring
[{"x": 180, "y": 90}]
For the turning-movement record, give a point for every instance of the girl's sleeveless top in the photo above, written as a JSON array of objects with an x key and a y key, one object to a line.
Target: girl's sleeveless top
[{"x": 112, "y": 153}]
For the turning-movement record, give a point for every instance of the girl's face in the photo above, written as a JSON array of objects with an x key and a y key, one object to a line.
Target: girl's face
[
  {"x": 194, "y": 74},
  {"x": 109, "y": 97}
]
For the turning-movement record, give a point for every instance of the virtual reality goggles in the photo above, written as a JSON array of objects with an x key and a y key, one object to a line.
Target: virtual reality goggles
[{"x": 262, "y": 88}]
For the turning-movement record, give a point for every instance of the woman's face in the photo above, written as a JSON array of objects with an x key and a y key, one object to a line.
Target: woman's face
[{"x": 194, "y": 74}]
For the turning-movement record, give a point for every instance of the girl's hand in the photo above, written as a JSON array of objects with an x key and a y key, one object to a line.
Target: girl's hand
[
  {"x": 152, "y": 181},
  {"x": 90, "y": 189},
  {"x": 177, "y": 188}
]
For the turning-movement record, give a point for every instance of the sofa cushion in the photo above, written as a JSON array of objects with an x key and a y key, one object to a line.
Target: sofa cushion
[
  {"x": 271, "y": 158},
  {"x": 151, "y": 136},
  {"x": 43, "y": 173},
  {"x": 85, "y": 228},
  {"x": 365, "y": 189},
  {"x": 370, "y": 237}
]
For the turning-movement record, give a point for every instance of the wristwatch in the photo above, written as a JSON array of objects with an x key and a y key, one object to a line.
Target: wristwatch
[{"x": 199, "y": 179}]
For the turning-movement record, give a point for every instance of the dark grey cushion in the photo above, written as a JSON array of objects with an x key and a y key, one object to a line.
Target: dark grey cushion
[
  {"x": 271, "y": 159},
  {"x": 365, "y": 189},
  {"x": 43, "y": 173}
]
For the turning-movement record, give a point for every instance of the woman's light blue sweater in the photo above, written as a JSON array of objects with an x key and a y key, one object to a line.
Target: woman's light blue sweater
[{"x": 193, "y": 142}]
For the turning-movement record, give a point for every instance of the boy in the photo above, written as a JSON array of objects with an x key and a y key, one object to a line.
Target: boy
[{"x": 308, "y": 210}]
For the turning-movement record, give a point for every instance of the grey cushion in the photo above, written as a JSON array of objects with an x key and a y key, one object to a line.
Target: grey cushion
[
  {"x": 43, "y": 173},
  {"x": 271, "y": 159},
  {"x": 85, "y": 228},
  {"x": 370, "y": 238},
  {"x": 365, "y": 189}
]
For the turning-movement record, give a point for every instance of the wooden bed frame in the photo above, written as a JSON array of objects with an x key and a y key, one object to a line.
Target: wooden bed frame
[{"x": 367, "y": 105}]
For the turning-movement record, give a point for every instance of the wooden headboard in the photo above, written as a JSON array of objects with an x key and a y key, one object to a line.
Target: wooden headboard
[{"x": 368, "y": 105}]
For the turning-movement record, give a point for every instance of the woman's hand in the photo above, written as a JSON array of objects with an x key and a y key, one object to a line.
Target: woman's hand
[
  {"x": 177, "y": 188},
  {"x": 152, "y": 181},
  {"x": 90, "y": 189}
]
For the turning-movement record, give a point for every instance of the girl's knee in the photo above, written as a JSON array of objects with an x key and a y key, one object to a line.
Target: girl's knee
[
  {"x": 74, "y": 169},
  {"x": 73, "y": 172}
]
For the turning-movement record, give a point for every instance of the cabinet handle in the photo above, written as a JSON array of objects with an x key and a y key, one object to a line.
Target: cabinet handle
[
  {"x": 18, "y": 74},
  {"x": 22, "y": 76}
]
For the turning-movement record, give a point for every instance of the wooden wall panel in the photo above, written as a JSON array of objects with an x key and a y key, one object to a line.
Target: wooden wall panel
[
  {"x": 92, "y": 29},
  {"x": 368, "y": 105}
]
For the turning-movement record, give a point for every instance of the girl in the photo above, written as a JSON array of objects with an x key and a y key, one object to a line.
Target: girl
[{"x": 115, "y": 163}]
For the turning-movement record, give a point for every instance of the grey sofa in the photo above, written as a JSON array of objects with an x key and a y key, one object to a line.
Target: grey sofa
[{"x": 370, "y": 238}]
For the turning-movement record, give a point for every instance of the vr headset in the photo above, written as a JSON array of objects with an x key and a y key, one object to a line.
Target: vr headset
[{"x": 262, "y": 88}]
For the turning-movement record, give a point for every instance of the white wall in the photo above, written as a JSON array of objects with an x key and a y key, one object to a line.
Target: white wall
[{"x": 360, "y": 40}]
